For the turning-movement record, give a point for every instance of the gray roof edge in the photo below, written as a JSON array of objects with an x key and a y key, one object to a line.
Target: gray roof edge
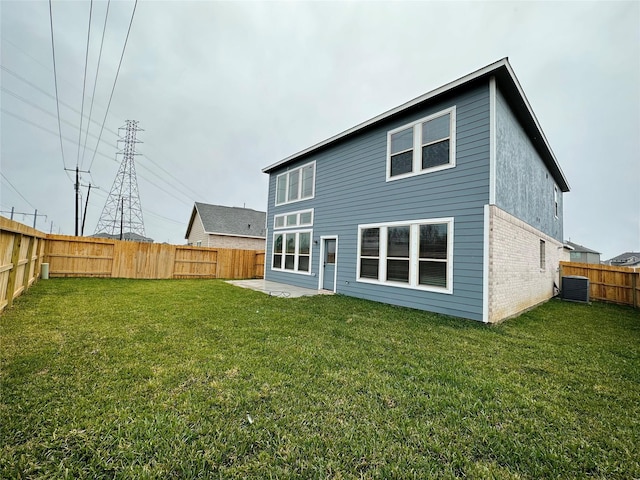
[
  {"x": 487, "y": 70},
  {"x": 393, "y": 111},
  {"x": 565, "y": 187},
  {"x": 225, "y": 206},
  {"x": 581, "y": 248},
  {"x": 623, "y": 256},
  {"x": 236, "y": 235}
]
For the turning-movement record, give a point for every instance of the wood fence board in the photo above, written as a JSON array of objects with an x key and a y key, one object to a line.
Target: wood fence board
[
  {"x": 87, "y": 257},
  {"x": 195, "y": 262},
  {"x": 607, "y": 283}
]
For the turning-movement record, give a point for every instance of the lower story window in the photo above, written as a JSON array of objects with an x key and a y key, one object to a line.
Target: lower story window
[
  {"x": 292, "y": 251},
  {"x": 415, "y": 254}
]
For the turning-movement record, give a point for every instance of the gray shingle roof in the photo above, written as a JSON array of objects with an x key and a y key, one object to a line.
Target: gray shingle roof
[
  {"x": 627, "y": 258},
  {"x": 580, "y": 248},
  {"x": 217, "y": 219}
]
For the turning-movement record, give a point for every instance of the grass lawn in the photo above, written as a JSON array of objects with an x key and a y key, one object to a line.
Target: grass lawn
[{"x": 201, "y": 379}]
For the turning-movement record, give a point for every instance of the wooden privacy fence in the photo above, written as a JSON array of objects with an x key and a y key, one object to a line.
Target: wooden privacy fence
[
  {"x": 609, "y": 284},
  {"x": 99, "y": 257},
  {"x": 23, "y": 250}
]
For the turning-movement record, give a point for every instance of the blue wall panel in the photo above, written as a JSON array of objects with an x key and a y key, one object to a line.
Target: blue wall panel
[{"x": 351, "y": 189}]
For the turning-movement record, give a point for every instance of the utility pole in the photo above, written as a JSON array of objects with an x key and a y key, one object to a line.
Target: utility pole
[
  {"x": 121, "y": 218},
  {"x": 77, "y": 195},
  {"x": 84, "y": 217},
  {"x": 77, "y": 189}
]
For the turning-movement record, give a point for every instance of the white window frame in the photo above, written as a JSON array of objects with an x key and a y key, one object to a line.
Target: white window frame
[
  {"x": 298, "y": 214},
  {"x": 417, "y": 145},
  {"x": 296, "y": 254},
  {"x": 285, "y": 177},
  {"x": 414, "y": 254},
  {"x": 556, "y": 207},
  {"x": 543, "y": 255}
]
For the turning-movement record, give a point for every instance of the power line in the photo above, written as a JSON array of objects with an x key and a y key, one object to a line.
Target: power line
[
  {"x": 189, "y": 188},
  {"x": 151, "y": 213},
  {"x": 55, "y": 79},
  {"x": 164, "y": 190},
  {"x": 16, "y": 190},
  {"x": 84, "y": 82},
  {"x": 142, "y": 165},
  {"x": 95, "y": 83},
  {"x": 116, "y": 78},
  {"x": 70, "y": 107},
  {"x": 18, "y": 47},
  {"x": 26, "y": 120},
  {"x": 44, "y": 110}
]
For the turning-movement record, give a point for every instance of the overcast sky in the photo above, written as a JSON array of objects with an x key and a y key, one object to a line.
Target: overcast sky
[{"x": 223, "y": 89}]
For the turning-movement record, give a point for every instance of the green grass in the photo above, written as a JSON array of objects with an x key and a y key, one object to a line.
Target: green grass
[{"x": 157, "y": 379}]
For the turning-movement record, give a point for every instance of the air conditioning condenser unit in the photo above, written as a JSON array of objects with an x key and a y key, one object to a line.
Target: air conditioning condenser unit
[{"x": 575, "y": 288}]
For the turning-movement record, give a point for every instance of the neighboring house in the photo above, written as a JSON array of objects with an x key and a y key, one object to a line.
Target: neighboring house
[
  {"x": 450, "y": 203},
  {"x": 226, "y": 227},
  {"x": 627, "y": 259},
  {"x": 583, "y": 254}
]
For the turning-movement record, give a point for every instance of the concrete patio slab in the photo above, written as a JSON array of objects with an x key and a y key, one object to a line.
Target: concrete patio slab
[{"x": 276, "y": 289}]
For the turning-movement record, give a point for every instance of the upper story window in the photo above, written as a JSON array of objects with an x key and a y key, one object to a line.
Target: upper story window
[
  {"x": 423, "y": 146},
  {"x": 294, "y": 219},
  {"x": 295, "y": 185},
  {"x": 555, "y": 201}
]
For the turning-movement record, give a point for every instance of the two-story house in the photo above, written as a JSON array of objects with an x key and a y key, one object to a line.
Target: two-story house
[{"x": 451, "y": 202}]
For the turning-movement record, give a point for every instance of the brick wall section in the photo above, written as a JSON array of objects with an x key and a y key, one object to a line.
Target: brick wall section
[
  {"x": 238, "y": 243},
  {"x": 516, "y": 281}
]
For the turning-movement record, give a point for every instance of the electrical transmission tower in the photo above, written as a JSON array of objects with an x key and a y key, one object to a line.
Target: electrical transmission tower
[{"x": 122, "y": 212}]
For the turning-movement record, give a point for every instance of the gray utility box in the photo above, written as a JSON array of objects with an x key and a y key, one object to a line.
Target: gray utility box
[{"x": 575, "y": 288}]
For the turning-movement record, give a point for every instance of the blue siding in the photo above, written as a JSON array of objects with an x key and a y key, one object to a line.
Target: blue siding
[
  {"x": 524, "y": 185},
  {"x": 351, "y": 190}
]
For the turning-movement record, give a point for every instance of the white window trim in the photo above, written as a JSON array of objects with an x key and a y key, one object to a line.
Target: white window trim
[
  {"x": 413, "y": 255},
  {"x": 296, "y": 254},
  {"x": 417, "y": 145},
  {"x": 286, "y": 193},
  {"x": 297, "y": 213},
  {"x": 556, "y": 204}
]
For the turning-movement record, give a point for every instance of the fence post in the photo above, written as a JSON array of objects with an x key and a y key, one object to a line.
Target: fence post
[
  {"x": 13, "y": 274},
  {"x": 634, "y": 286},
  {"x": 29, "y": 264}
]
